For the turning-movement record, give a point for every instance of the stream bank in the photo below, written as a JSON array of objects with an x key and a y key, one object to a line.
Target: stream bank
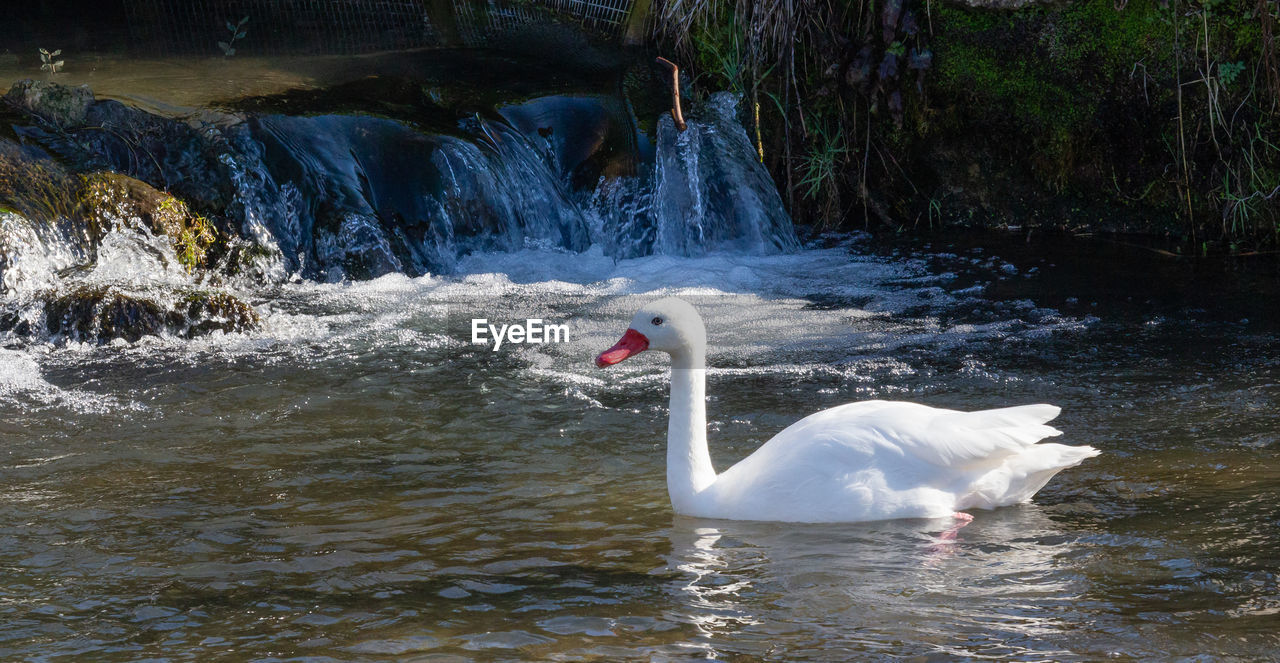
[{"x": 1144, "y": 117}]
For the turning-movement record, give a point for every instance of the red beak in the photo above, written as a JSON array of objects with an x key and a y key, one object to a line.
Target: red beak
[{"x": 633, "y": 342}]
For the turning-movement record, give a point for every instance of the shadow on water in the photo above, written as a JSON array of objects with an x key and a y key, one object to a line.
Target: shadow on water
[{"x": 1113, "y": 278}]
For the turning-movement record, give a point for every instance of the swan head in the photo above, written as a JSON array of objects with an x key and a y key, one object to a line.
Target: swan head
[{"x": 668, "y": 325}]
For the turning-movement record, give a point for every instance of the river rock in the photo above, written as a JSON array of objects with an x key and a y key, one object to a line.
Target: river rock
[
  {"x": 35, "y": 185},
  {"x": 114, "y": 200},
  {"x": 83, "y": 208},
  {"x": 99, "y": 314},
  {"x": 62, "y": 105}
]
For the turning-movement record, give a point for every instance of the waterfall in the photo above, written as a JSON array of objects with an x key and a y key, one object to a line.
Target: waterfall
[
  {"x": 350, "y": 196},
  {"x": 706, "y": 192},
  {"x": 377, "y": 196}
]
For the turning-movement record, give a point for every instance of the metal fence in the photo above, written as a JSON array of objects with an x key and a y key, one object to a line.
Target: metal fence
[
  {"x": 349, "y": 26},
  {"x": 610, "y": 14}
]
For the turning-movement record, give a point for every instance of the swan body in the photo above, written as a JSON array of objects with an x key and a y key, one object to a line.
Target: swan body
[{"x": 873, "y": 460}]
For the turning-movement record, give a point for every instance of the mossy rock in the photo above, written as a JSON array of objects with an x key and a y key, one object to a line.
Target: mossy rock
[
  {"x": 39, "y": 189},
  {"x": 62, "y": 105},
  {"x": 99, "y": 314},
  {"x": 180, "y": 155},
  {"x": 110, "y": 199},
  {"x": 201, "y": 313},
  {"x": 35, "y": 187}
]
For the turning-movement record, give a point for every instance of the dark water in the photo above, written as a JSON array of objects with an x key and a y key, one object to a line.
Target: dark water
[{"x": 359, "y": 482}]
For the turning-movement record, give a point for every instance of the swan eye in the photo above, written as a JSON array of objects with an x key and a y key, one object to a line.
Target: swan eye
[{"x": 656, "y": 322}]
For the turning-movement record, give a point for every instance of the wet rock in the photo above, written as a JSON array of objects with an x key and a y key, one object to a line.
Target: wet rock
[
  {"x": 83, "y": 208},
  {"x": 63, "y": 106},
  {"x": 201, "y": 313},
  {"x": 188, "y": 157},
  {"x": 34, "y": 185},
  {"x": 99, "y": 314},
  {"x": 112, "y": 200},
  {"x": 12, "y": 319},
  {"x": 184, "y": 155}
]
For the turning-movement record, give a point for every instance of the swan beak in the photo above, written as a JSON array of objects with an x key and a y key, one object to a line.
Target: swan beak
[{"x": 633, "y": 342}]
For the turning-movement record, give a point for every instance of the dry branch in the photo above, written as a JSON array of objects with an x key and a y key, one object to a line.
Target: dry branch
[{"x": 676, "y": 114}]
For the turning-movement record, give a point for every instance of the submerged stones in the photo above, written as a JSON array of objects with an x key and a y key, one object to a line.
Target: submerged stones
[{"x": 100, "y": 314}]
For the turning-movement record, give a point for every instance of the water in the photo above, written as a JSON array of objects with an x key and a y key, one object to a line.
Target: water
[{"x": 357, "y": 481}]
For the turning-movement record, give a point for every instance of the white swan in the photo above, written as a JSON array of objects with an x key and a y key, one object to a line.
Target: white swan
[{"x": 873, "y": 460}]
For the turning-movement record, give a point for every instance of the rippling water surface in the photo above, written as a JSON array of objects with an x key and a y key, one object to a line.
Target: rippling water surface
[{"x": 358, "y": 482}]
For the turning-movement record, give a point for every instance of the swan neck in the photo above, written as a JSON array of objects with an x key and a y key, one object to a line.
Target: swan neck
[
  {"x": 689, "y": 469},
  {"x": 689, "y": 357}
]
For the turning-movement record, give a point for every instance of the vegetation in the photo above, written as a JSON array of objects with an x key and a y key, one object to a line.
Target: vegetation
[
  {"x": 86, "y": 207},
  {"x": 238, "y": 32},
  {"x": 34, "y": 189},
  {"x": 1091, "y": 115},
  {"x": 98, "y": 202},
  {"x": 49, "y": 64},
  {"x": 108, "y": 199}
]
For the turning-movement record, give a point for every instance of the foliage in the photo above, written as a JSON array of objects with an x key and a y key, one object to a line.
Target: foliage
[
  {"x": 35, "y": 189},
  {"x": 192, "y": 234},
  {"x": 820, "y": 167},
  {"x": 108, "y": 197},
  {"x": 237, "y": 31},
  {"x": 1228, "y": 72},
  {"x": 1139, "y": 112},
  {"x": 49, "y": 64}
]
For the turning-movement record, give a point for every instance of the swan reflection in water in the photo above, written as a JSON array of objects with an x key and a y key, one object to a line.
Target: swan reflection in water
[{"x": 1003, "y": 586}]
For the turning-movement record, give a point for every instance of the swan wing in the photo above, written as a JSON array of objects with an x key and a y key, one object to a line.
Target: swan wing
[{"x": 910, "y": 431}]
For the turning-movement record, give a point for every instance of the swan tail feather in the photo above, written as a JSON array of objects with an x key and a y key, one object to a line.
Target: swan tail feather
[{"x": 1020, "y": 476}]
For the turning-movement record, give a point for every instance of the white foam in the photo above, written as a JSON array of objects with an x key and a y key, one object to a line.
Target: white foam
[
  {"x": 31, "y": 256},
  {"x": 826, "y": 315},
  {"x": 136, "y": 257},
  {"x": 22, "y": 383}
]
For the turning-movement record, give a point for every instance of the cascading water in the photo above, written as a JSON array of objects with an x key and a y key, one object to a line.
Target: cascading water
[
  {"x": 382, "y": 197},
  {"x": 706, "y": 192},
  {"x": 343, "y": 196},
  {"x": 711, "y": 193},
  {"x": 378, "y": 196}
]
